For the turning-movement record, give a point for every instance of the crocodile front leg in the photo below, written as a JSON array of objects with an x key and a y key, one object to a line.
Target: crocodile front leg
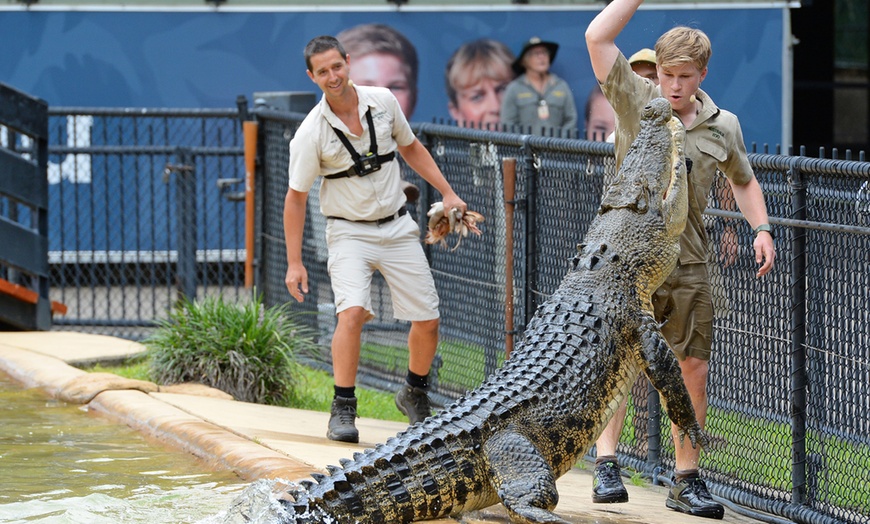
[
  {"x": 663, "y": 369},
  {"x": 522, "y": 478}
]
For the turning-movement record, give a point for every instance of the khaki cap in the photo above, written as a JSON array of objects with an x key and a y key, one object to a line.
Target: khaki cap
[{"x": 644, "y": 55}]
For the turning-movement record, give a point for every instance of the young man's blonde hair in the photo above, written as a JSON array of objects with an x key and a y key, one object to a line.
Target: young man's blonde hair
[{"x": 683, "y": 45}]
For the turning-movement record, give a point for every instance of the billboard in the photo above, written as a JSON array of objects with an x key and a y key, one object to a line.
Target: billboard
[{"x": 206, "y": 57}]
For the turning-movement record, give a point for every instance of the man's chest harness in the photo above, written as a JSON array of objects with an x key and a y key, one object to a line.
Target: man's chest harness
[{"x": 362, "y": 165}]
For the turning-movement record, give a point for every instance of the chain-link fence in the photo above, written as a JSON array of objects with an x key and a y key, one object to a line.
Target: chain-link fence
[
  {"x": 144, "y": 208},
  {"x": 789, "y": 378}
]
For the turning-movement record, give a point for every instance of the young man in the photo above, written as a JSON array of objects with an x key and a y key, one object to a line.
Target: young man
[
  {"x": 714, "y": 141},
  {"x": 350, "y": 139}
]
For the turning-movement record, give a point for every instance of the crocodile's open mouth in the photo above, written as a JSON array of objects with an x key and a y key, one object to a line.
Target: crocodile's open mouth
[{"x": 678, "y": 138}]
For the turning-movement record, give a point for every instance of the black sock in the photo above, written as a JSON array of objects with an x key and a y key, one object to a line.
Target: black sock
[
  {"x": 417, "y": 381},
  {"x": 345, "y": 392},
  {"x": 606, "y": 458},
  {"x": 683, "y": 474}
]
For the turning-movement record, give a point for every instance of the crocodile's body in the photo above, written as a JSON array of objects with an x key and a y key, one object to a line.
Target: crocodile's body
[{"x": 511, "y": 438}]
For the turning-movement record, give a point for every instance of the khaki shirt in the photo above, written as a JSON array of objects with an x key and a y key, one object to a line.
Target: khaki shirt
[
  {"x": 713, "y": 141},
  {"x": 522, "y": 103},
  {"x": 316, "y": 150}
]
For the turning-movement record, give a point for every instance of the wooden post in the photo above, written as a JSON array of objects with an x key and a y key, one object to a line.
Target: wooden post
[
  {"x": 509, "y": 169},
  {"x": 250, "y": 133}
]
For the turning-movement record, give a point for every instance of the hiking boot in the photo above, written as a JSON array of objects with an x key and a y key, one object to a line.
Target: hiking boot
[
  {"x": 413, "y": 403},
  {"x": 341, "y": 420},
  {"x": 690, "y": 496},
  {"x": 607, "y": 484}
]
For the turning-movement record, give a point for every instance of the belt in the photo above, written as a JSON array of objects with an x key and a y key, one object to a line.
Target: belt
[{"x": 400, "y": 213}]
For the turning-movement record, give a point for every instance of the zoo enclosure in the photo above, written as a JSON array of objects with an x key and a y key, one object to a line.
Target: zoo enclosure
[{"x": 796, "y": 430}]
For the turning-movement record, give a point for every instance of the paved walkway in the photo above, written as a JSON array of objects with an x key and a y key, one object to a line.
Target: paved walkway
[{"x": 258, "y": 441}]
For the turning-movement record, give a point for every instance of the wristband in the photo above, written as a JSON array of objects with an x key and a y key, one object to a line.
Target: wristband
[{"x": 764, "y": 227}]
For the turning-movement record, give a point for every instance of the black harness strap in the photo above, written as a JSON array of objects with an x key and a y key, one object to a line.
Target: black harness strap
[{"x": 373, "y": 151}]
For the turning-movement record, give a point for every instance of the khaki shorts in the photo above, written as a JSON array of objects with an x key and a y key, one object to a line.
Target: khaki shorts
[
  {"x": 357, "y": 250},
  {"x": 685, "y": 304}
]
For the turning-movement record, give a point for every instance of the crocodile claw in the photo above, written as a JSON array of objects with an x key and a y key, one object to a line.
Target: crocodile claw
[{"x": 697, "y": 436}]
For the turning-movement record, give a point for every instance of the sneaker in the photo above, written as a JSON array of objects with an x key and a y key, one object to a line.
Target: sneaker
[
  {"x": 607, "y": 484},
  {"x": 341, "y": 420},
  {"x": 690, "y": 496},
  {"x": 413, "y": 403}
]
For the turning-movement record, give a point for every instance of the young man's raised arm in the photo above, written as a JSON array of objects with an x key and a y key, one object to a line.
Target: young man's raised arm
[{"x": 602, "y": 32}]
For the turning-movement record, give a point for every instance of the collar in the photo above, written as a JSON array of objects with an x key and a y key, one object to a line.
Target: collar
[
  {"x": 364, "y": 102},
  {"x": 709, "y": 109},
  {"x": 550, "y": 80}
]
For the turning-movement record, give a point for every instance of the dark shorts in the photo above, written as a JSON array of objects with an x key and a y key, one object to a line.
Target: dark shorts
[{"x": 685, "y": 304}]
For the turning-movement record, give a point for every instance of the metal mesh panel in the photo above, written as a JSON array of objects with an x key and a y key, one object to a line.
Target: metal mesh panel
[
  {"x": 788, "y": 398},
  {"x": 837, "y": 353},
  {"x": 471, "y": 279},
  {"x": 122, "y": 221},
  {"x": 784, "y": 444}
]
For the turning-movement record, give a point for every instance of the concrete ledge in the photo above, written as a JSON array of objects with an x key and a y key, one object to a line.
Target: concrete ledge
[
  {"x": 212, "y": 443},
  {"x": 36, "y": 370}
]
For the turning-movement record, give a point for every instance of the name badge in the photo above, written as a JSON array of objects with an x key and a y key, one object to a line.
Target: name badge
[{"x": 543, "y": 110}]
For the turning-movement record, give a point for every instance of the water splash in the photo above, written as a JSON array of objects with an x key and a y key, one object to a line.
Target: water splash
[{"x": 260, "y": 503}]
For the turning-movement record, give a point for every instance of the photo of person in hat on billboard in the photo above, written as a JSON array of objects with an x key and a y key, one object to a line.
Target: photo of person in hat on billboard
[{"x": 538, "y": 101}]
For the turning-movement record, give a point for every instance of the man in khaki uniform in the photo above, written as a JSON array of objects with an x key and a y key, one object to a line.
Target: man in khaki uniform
[{"x": 714, "y": 141}]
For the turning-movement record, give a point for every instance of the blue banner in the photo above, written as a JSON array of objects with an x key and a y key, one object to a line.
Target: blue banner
[{"x": 207, "y": 58}]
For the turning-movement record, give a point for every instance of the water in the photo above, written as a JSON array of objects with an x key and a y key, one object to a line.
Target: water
[{"x": 60, "y": 463}]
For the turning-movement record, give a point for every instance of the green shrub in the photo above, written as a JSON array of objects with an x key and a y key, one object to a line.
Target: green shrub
[{"x": 246, "y": 350}]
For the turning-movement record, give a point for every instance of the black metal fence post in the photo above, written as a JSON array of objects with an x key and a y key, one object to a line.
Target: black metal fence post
[
  {"x": 798, "y": 338},
  {"x": 185, "y": 214},
  {"x": 531, "y": 266}
]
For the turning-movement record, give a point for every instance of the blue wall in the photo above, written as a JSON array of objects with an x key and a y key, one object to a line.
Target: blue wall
[{"x": 207, "y": 58}]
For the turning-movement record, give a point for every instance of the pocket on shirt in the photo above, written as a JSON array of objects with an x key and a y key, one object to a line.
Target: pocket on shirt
[{"x": 713, "y": 149}]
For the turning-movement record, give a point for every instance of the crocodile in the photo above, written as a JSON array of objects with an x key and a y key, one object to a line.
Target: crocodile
[{"x": 529, "y": 422}]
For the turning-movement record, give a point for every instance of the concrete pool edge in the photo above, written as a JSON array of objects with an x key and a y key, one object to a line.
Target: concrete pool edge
[{"x": 212, "y": 443}]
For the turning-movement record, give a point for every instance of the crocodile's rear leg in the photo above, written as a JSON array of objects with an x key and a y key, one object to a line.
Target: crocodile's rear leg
[{"x": 522, "y": 478}]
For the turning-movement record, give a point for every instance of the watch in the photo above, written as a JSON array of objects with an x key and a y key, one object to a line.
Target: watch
[{"x": 764, "y": 227}]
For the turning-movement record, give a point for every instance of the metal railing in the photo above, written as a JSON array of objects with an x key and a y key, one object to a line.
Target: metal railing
[
  {"x": 144, "y": 209},
  {"x": 789, "y": 379},
  {"x": 789, "y": 395}
]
